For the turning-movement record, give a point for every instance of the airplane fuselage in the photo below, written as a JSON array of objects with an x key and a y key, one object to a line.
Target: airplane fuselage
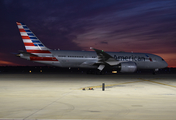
[
  {"x": 36, "y": 51},
  {"x": 87, "y": 59}
]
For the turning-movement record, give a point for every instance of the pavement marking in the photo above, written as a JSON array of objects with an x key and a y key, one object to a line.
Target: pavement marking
[
  {"x": 157, "y": 82},
  {"x": 111, "y": 85},
  {"x": 140, "y": 80},
  {"x": 27, "y": 117}
]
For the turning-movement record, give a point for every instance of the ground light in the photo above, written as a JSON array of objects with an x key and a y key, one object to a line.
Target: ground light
[{"x": 114, "y": 72}]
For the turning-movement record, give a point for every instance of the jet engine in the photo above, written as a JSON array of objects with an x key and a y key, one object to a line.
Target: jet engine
[{"x": 128, "y": 67}]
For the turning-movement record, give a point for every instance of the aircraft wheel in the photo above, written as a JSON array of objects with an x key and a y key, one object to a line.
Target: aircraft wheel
[{"x": 100, "y": 72}]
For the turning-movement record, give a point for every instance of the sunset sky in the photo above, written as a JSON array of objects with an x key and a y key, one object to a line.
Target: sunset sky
[{"x": 147, "y": 26}]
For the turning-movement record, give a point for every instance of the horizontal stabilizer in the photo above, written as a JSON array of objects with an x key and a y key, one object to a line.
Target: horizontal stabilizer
[{"x": 25, "y": 54}]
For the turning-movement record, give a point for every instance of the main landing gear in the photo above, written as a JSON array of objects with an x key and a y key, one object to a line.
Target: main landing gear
[
  {"x": 96, "y": 72},
  {"x": 155, "y": 71}
]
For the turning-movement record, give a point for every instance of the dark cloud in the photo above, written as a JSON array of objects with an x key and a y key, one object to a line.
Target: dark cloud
[{"x": 103, "y": 42}]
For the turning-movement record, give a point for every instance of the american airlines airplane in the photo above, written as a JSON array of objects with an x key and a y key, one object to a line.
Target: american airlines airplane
[{"x": 98, "y": 59}]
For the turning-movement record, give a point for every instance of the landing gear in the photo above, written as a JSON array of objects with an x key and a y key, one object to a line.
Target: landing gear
[
  {"x": 154, "y": 72},
  {"x": 89, "y": 71},
  {"x": 96, "y": 72}
]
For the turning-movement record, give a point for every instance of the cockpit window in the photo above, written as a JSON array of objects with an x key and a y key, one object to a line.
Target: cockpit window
[{"x": 162, "y": 59}]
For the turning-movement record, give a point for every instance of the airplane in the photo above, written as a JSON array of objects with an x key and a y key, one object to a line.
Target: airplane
[{"x": 97, "y": 59}]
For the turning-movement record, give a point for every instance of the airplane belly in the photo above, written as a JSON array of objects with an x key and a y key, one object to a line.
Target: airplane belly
[
  {"x": 84, "y": 63},
  {"x": 70, "y": 62},
  {"x": 147, "y": 65},
  {"x": 141, "y": 65},
  {"x": 88, "y": 64}
]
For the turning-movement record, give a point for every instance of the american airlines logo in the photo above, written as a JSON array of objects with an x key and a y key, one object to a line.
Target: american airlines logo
[{"x": 129, "y": 58}]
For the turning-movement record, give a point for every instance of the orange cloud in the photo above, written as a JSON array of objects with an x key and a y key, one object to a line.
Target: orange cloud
[{"x": 2, "y": 63}]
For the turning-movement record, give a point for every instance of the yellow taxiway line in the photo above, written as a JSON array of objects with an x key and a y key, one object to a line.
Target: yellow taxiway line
[
  {"x": 100, "y": 86},
  {"x": 157, "y": 82},
  {"x": 140, "y": 80}
]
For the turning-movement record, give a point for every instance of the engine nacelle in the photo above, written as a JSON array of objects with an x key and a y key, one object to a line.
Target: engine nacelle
[{"x": 128, "y": 67}]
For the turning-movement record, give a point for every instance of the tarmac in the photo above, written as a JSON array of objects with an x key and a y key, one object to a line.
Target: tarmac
[{"x": 61, "y": 96}]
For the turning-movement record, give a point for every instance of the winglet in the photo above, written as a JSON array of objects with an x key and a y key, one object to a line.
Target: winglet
[{"x": 96, "y": 50}]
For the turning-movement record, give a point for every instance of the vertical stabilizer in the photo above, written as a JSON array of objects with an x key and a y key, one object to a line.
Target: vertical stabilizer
[{"x": 31, "y": 42}]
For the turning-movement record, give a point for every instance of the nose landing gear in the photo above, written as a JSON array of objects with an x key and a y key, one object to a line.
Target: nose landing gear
[{"x": 154, "y": 72}]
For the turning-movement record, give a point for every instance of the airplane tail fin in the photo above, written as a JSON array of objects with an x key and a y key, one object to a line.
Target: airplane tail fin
[{"x": 31, "y": 42}]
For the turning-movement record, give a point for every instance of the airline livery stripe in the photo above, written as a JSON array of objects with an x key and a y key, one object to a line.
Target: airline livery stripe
[
  {"x": 27, "y": 41},
  {"x": 27, "y": 30},
  {"x": 38, "y": 51},
  {"x": 25, "y": 27},
  {"x": 36, "y": 41},
  {"x": 43, "y": 54},
  {"x": 35, "y": 48},
  {"x": 25, "y": 37},
  {"x": 18, "y": 23},
  {"x": 47, "y": 62},
  {"x": 32, "y": 48},
  {"x": 33, "y": 37},
  {"x": 28, "y": 44},
  {"x": 22, "y": 30},
  {"x": 43, "y": 59},
  {"x": 39, "y": 45},
  {"x": 23, "y": 34},
  {"x": 30, "y": 34},
  {"x": 20, "y": 26}
]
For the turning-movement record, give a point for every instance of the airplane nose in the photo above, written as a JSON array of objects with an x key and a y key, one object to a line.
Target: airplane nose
[{"x": 165, "y": 64}]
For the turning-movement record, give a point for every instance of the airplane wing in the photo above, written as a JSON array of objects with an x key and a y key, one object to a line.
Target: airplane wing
[{"x": 105, "y": 58}]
